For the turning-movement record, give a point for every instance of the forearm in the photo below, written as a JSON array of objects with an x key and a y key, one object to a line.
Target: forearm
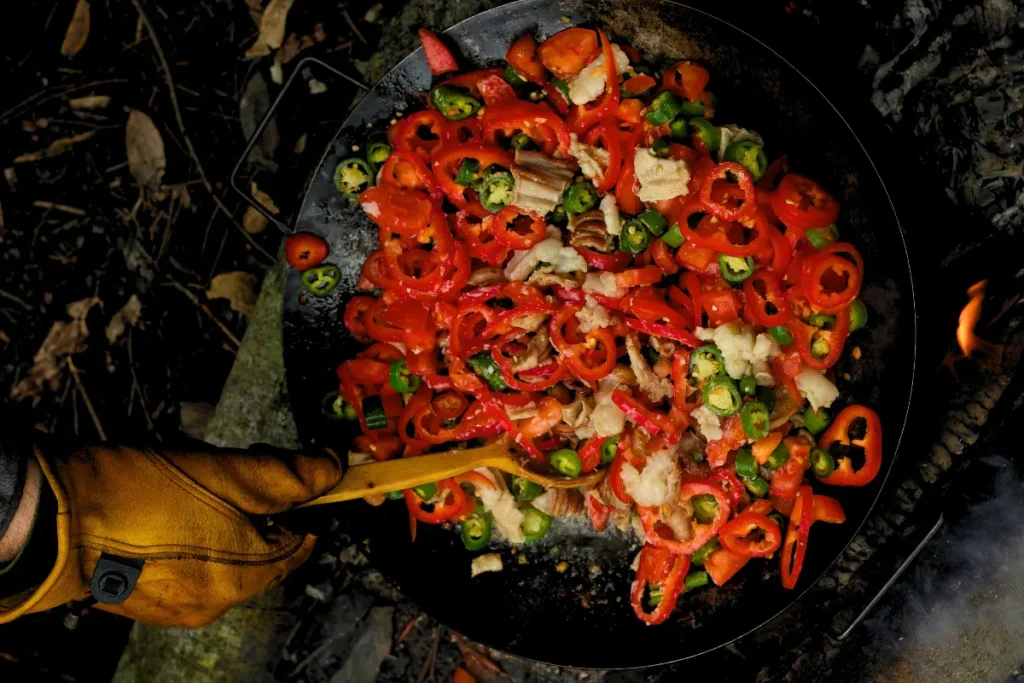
[{"x": 21, "y": 511}]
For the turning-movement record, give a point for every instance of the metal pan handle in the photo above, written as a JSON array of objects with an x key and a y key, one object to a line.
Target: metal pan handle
[{"x": 267, "y": 117}]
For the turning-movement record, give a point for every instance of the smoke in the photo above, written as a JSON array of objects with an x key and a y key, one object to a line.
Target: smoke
[{"x": 959, "y": 613}]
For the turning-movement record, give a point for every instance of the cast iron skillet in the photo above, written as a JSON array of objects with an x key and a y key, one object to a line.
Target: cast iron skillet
[{"x": 565, "y": 600}]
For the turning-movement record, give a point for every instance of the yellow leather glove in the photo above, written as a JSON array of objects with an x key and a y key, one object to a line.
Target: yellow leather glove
[{"x": 189, "y": 521}]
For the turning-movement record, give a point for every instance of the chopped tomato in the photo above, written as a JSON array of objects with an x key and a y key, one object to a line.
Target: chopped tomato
[{"x": 567, "y": 52}]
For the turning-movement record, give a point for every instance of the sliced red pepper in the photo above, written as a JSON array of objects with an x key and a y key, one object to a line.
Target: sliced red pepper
[
  {"x": 666, "y": 331},
  {"x": 612, "y": 262},
  {"x": 787, "y": 479},
  {"x": 522, "y": 55},
  {"x": 628, "y": 186},
  {"x": 722, "y": 306},
  {"x": 828, "y": 509},
  {"x": 615, "y": 477},
  {"x": 410, "y": 172},
  {"x": 639, "y": 277},
  {"x": 745, "y": 185},
  {"x": 447, "y": 161},
  {"x": 495, "y": 90},
  {"x": 471, "y": 80},
  {"x": 693, "y": 288},
  {"x": 554, "y": 97},
  {"x": 355, "y": 312},
  {"x": 802, "y": 204},
  {"x": 871, "y": 443},
  {"x": 470, "y": 225},
  {"x": 606, "y": 137},
  {"x": 732, "y": 486},
  {"x": 461, "y": 132},
  {"x": 593, "y": 359},
  {"x": 537, "y": 120},
  {"x": 599, "y": 512},
  {"x": 505, "y": 226},
  {"x": 795, "y": 548},
  {"x": 735, "y": 535},
  {"x": 702, "y": 533},
  {"x": 831, "y": 282},
  {"x": 407, "y": 134},
  {"x": 761, "y": 290},
  {"x": 723, "y": 564},
  {"x": 590, "y": 453},
  {"x": 782, "y": 251},
  {"x": 440, "y": 59},
  {"x": 663, "y": 257},
  {"x": 686, "y": 79},
  {"x": 667, "y": 571},
  {"x": 567, "y": 52},
  {"x": 639, "y": 84},
  {"x": 395, "y": 210},
  {"x": 785, "y": 367},
  {"x": 585, "y": 116},
  {"x": 651, "y": 420},
  {"x": 453, "y": 499},
  {"x": 804, "y": 336}
]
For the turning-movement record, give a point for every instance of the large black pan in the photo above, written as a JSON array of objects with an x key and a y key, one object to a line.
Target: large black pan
[{"x": 565, "y": 600}]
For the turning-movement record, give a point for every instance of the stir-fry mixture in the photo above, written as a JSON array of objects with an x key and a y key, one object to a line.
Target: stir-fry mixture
[{"x": 574, "y": 253}]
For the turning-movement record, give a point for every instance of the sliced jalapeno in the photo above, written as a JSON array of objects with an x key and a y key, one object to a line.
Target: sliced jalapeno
[
  {"x": 674, "y": 237},
  {"x": 468, "y": 171},
  {"x": 816, "y": 421},
  {"x": 705, "y": 507},
  {"x": 692, "y": 108},
  {"x": 513, "y": 77},
  {"x": 822, "y": 462},
  {"x": 558, "y": 216},
  {"x": 705, "y": 131},
  {"x": 653, "y": 221},
  {"x": 535, "y": 524},
  {"x": 778, "y": 458},
  {"x": 704, "y": 552},
  {"x": 749, "y": 155},
  {"x": 748, "y": 385},
  {"x": 781, "y": 334},
  {"x": 735, "y": 269},
  {"x": 352, "y": 176},
  {"x": 746, "y": 466},
  {"x": 663, "y": 108},
  {"x": 395, "y": 495},
  {"x": 635, "y": 237},
  {"x": 377, "y": 152},
  {"x": 659, "y": 148},
  {"x": 757, "y": 486},
  {"x": 678, "y": 128},
  {"x": 609, "y": 448},
  {"x": 373, "y": 412},
  {"x": 496, "y": 191},
  {"x": 483, "y": 364},
  {"x": 858, "y": 315},
  {"x": 521, "y": 141},
  {"x": 524, "y": 489},
  {"x": 425, "y": 491},
  {"x": 566, "y": 461},
  {"x": 401, "y": 379},
  {"x": 321, "y": 280},
  {"x": 822, "y": 321},
  {"x": 337, "y": 408},
  {"x": 453, "y": 103},
  {"x": 562, "y": 87},
  {"x": 579, "y": 198},
  {"x": 476, "y": 530},
  {"x": 706, "y": 362},
  {"x": 721, "y": 396},
  {"x": 756, "y": 420}
]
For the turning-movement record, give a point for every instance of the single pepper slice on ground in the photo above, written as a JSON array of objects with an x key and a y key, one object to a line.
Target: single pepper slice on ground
[
  {"x": 352, "y": 176},
  {"x": 321, "y": 280},
  {"x": 843, "y": 432}
]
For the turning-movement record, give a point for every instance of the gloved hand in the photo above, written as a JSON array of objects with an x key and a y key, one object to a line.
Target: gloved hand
[{"x": 190, "y": 521}]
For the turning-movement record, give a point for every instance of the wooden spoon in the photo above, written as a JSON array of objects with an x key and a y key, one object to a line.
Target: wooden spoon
[{"x": 395, "y": 475}]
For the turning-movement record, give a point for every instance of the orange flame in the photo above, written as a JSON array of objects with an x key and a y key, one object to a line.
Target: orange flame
[{"x": 969, "y": 342}]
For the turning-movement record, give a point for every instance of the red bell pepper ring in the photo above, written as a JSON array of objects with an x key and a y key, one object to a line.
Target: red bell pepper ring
[
  {"x": 451, "y": 501},
  {"x": 590, "y": 453},
  {"x": 447, "y": 161},
  {"x": 794, "y": 549},
  {"x": 583, "y": 117},
  {"x": 394, "y": 210},
  {"x": 537, "y": 120},
  {"x": 746, "y": 186},
  {"x": 871, "y": 443},
  {"x": 702, "y": 533},
  {"x": 735, "y": 535},
  {"x": 686, "y": 79},
  {"x": 355, "y": 312},
  {"x": 666, "y": 570},
  {"x": 723, "y": 564},
  {"x": 462, "y": 132},
  {"x": 505, "y": 226},
  {"x": 782, "y": 251},
  {"x": 801, "y": 203},
  {"x": 651, "y": 420},
  {"x": 804, "y": 336},
  {"x": 440, "y": 59},
  {"x": 638, "y": 85},
  {"x": 593, "y": 359},
  {"x": 408, "y": 171},
  {"x": 831, "y": 282},
  {"x": 407, "y": 134},
  {"x": 547, "y": 381},
  {"x": 522, "y": 55},
  {"x": 761, "y": 290},
  {"x": 495, "y": 90},
  {"x": 606, "y": 136},
  {"x": 476, "y": 235}
]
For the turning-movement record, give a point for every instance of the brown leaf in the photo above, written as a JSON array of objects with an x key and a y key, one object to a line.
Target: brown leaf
[
  {"x": 146, "y": 159},
  {"x": 128, "y": 315},
  {"x": 264, "y": 199},
  {"x": 272, "y": 25},
  {"x": 63, "y": 340},
  {"x": 238, "y": 287},
  {"x": 78, "y": 30},
  {"x": 90, "y": 102},
  {"x": 253, "y": 221},
  {"x": 56, "y": 147}
]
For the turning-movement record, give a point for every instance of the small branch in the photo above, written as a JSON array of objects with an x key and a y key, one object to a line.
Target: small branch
[
  {"x": 172, "y": 91},
  {"x": 59, "y": 207},
  {"x": 85, "y": 397},
  {"x": 427, "y": 670},
  {"x": 16, "y": 299},
  {"x": 209, "y": 314}
]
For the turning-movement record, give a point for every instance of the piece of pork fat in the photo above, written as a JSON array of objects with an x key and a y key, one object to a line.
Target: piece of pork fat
[
  {"x": 656, "y": 388},
  {"x": 540, "y": 181}
]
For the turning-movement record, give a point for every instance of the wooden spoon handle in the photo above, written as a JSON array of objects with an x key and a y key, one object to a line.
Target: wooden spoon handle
[{"x": 395, "y": 475}]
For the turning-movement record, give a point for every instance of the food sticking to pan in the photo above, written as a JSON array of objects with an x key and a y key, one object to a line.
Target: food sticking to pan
[{"x": 574, "y": 254}]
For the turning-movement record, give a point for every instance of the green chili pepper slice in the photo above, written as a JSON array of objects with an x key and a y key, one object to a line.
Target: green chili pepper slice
[
  {"x": 766, "y": 395},
  {"x": 674, "y": 237},
  {"x": 524, "y": 489},
  {"x": 321, "y": 280},
  {"x": 562, "y": 87},
  {"x": 579, "y": 198},
  {"x": 696, "y": 580},
  {"x": 757, "y": 486},
  {"x": 377, "y": 152},
  {"x": 749, "y": 155},
  {"x": 822, "y": 321},
  {"x": 373, "y": 412},
  {"x": 705, "y": 131},
  {"x": 721, "y": 396},
  {"x": 483, "y": 364},
  {"x": 746, "y": 466},
  {"x": 778, "y": 458},
  {"x": 663, "y": 108},
  {"x": 651, "y": 354},
  {"x": 822, "y": 237},
  {"x": 468, "y": 171},
  {"x": 337, "y": 408},
  {"x": 706, "y": 362},
  {"x": 704, "y": 552},
  {"x": 453, "y": 103},
  {"x": 425, "y": 491},
  {"x": 822, "y": 462},
  {"x": 558, "y": 216},
  {"x": 535, "y": 524},
  {"x": 566, "y": 461},
  {"x": 659, "y": 148},
  {"x": 609, "y": 448},
  {"x": 635, "y": 237},
  {"x": 476, "y": 530},
  {"x": 352, "y": 176},
  {"x": 679, "y": 128},
  {"x": 748, "y": 385},
  {"x": 513, "y": 77},
  {"x": 705, "y": 507},
  {"x": 395, "y": 495},
  {"x": 401, "y": 379},
  {"x": 816, "y": 421},
  {"x": 521, "y": 141},
  {"x": 858, "y": 315},
  {"x": 735, "y": 269},
  {"x": 653, "y": 221},
  {"x": 655, "y": 593},
  {"x": 756, "y": 419},
  {"x": 781, "y": 334},
  {"x": 692, "y": 108},
  {"x": 496, "y": 191},
  {"x": 820, "y": 347}
]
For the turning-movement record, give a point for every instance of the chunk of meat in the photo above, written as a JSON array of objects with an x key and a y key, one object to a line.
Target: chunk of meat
[
  {"x": 540, "y": 181},
  {"x": 589, "y": 230},
  {"x": 656, "y": 388}
]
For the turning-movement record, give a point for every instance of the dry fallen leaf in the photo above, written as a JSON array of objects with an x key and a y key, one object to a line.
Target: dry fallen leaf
[
  {"x": 264, "y": 199},
  {"x": 90, "y": 102},
  {"x": 128, "y": 315},
  {"x": 253, "y": 221},
  {"x": 238, "y": 287},
  {"x": 63, "y": 340},
  {"x": 146, "y": 159},
  {"x": 55, "y": 148},
  {"x": 271, "y": 28},
  {"x": 78, "y": 30}
]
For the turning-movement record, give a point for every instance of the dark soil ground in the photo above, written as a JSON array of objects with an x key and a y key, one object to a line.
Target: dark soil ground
[{"x": 76, "y": 225}]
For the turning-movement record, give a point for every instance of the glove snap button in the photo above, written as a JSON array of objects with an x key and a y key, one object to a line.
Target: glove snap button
[{"x": 114, "y": 578}]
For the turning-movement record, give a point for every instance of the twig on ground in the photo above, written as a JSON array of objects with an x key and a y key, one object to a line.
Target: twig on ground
[
  {"x": 427, "y": 670},
  {"x": 74, "y": 211},
  {"x": 173, "y": 93},
  {"x": 85, "y": 397},
  {"x": 137, "y": 387},
  {"x": 16, "y": 299},
  {"x": 209, "y": 314},
  {"x": 408, "y": 628},
  {"x": 353, "y": 26}
]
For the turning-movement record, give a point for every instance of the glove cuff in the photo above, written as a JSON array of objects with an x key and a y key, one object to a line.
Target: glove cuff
[{"x": 13, "y": 461}]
